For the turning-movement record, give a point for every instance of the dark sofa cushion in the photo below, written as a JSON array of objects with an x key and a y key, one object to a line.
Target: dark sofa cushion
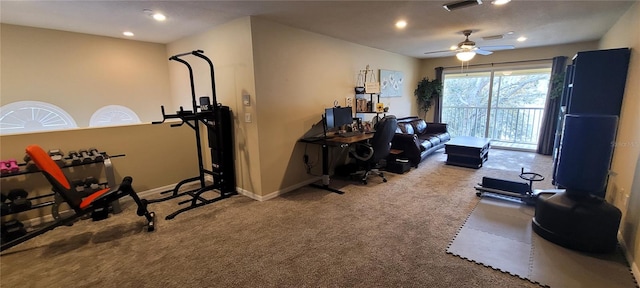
[
  {"x": 425, "y": 144},
  {"x": 405, "y": 128},
  {"x": 433, "y": 138},
  {"x": 444, "y": 137},
  {"x": 419, "y": 126}
]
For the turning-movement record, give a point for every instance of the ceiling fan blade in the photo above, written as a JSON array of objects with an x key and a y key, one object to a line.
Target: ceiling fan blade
[
  {"x": 482, "y": 52},
  {"x": 435, "y": 52},
  {"x": 497, "y": 47}
]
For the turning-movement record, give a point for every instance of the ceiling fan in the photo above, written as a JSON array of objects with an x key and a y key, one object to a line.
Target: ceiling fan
[{"x": 467, "y": 49}]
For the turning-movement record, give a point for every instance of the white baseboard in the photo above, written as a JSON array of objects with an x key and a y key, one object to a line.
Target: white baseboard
[
  {"x": 630, "y": 258},
  {"x": 272, "y": 194},
  {"x": 154, "y": 192},
  {"x": 278, "y": 192}
]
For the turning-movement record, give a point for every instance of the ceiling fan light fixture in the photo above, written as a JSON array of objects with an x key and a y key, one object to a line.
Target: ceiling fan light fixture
[
  {"x": 461, "y": 4},
  {"x": 500, "y": 2},
  {"x": 155, "y": 15},
  {"x": 465, "y": 55},
  {"x": 401, "y": 24}
]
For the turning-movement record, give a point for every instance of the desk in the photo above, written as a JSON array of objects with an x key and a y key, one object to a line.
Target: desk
[{"x": 333, "y": 141}]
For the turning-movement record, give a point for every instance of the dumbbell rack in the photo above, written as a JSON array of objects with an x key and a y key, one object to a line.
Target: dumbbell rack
[
  {"x": 218, "y": 121},
  {"x": 109, "y": 173}
]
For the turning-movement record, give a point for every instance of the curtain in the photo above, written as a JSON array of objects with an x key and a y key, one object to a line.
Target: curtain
[
  {"x": 552, "y": 108},
  {"x": 437, "y": 103}
]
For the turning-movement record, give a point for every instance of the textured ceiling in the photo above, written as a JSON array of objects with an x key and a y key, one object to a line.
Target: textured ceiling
[{"x": 370, "y": 23}]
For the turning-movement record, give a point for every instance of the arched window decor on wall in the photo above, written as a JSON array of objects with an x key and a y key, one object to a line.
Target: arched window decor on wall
[
  {"x": 112, "y": 115},
  {"x": 33, "y": 116}
]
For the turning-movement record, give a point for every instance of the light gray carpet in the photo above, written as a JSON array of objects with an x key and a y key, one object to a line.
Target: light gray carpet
[
  {"x": 498, "y": 234},
  {"x": 392, "y": 234}
]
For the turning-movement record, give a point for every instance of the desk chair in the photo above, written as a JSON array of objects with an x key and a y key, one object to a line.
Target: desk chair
[
  {"x": 81, "y": 206},
  {"x": 369, "y": 155}
]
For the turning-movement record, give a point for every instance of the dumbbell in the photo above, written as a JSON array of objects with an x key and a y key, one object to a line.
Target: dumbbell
[
  {"x": 18, "y": 200},
  {"x": 78, "y": 185},
  {"x": 4, "y": 167},
  {"x": 75, "y": 158},
  {"x": 12, "y": 230},
  {"x": 31, "y": 167},
  {"x": 13, "y": 166},
  {"x": 57, "y": 156},
  {"x": 97, "y": 156},
  {"x": 5, "y": 210},
  {"x": 86, "y": 157},
  {"x": 9, "y": 166},
  {"x": 92, "y": 183}
]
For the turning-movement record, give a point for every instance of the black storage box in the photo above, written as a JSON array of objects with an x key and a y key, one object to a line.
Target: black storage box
[{"x": 399, "y": 166}]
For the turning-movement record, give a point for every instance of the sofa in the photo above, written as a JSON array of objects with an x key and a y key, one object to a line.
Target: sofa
[{"x": 418, "y": 139}]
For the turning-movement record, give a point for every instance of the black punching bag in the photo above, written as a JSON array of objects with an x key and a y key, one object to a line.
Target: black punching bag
[
  {"x": 579, "y": 218},
  {"x": 585, "y": 154}
]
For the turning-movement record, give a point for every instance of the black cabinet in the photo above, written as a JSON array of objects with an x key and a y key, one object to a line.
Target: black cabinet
[{"x": 594, "y": 85}]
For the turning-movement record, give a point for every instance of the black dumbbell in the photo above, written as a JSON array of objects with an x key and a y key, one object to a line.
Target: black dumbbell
[
  {"x": 5, "y": 210},
  {"x": 31, "y": 167},
  {"x": 92, "y": 183},
  {"x": 75, "y": 157},
  {"x": 77, "y": 185},
  {"x": 86, "y": 157},
  {"x": 57, "y": 156},
  {"x": 12, "y": 230},
  {"x": 18, "y": 200},
  {"x": 97, "y": 156}
]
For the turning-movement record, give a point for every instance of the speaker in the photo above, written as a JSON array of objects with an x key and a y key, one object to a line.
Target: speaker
[{"x": 585, "y": 154}]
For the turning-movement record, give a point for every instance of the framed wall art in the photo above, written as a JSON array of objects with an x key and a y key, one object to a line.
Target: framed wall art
[{"x": 391, "y": 83}]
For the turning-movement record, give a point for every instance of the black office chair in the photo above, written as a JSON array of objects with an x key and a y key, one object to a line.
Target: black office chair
[{"x": 369, "y": 155}]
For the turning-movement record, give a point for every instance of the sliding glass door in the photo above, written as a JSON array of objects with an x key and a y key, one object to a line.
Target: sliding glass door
[{"x": 505, "y": 105}]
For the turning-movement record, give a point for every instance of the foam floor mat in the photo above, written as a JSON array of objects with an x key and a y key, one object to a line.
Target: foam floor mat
[{"x": 498, "y": 234}]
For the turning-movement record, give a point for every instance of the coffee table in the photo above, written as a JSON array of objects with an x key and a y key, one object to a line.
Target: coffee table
[{"x": 467, "y": 151}]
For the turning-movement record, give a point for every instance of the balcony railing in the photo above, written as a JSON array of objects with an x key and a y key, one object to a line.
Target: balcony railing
[{"x": 510, "y": 125}]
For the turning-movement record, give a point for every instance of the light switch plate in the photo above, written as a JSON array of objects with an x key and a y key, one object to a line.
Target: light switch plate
[
  {"x": 348, "y": 102},
  {"x": 246, "y": 99}
]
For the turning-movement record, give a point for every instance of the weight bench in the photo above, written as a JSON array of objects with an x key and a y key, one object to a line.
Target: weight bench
[{"x": 98, "y": 200}]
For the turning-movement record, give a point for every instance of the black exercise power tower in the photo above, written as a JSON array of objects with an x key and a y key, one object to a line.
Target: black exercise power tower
[{"x": 219, "y": 124}]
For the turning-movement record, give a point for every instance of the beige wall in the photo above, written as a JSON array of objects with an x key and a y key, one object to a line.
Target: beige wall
[
  {"x": 229, "y": 48},
  {"x": 81, "y": 73},
  {"x": 624, "y": 185},
  {"x": 298, "y": 74},
  {"x": 548, "y": 52}
]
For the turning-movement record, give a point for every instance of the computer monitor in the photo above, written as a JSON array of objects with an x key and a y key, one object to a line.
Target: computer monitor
[{"x": 337, "y": 116}]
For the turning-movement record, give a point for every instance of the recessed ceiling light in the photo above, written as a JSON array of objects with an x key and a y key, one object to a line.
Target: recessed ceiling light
[
  {"x": 522, "y": 39},
  {"x": 500, "y": 2},
  {"x": 159, "y": 17},
  {"x": 127, "y": 33},
  {"x": 401, "y": 24},
  {"x": 156, "y": 15}
]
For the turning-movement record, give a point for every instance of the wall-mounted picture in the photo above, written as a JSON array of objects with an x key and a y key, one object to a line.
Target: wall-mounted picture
[{"x": 391, "y": 83}]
